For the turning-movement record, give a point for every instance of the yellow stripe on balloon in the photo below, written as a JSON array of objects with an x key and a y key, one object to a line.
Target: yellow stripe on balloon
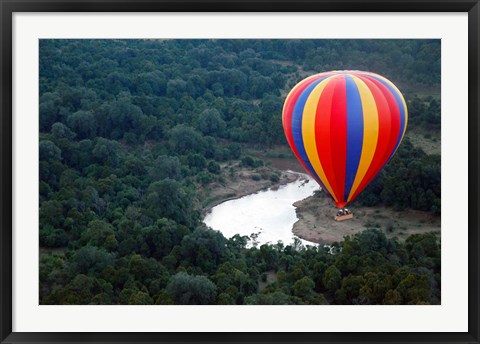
[
  {"x": 370, "y": 133},
  {"x": 308, "y": 133}
]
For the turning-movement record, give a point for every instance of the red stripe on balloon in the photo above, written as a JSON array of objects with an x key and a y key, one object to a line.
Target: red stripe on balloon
[
  {"x": 323, "y": 133},
  {"x": 338, "y": 136},
  {"x": 384, "y": 134}
]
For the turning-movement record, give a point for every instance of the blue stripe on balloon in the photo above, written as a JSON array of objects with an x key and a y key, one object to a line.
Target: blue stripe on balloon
[
  {"x": 399, "y": 102},
  {"x": 297, "y": 116},
  {"x": 354, "y": 133}
]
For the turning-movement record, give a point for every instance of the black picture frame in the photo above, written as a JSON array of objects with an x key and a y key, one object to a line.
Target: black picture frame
[{"x": 8, "y": 7}]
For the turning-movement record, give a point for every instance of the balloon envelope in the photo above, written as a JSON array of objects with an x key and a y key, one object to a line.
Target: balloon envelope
[{"x": 343, "y": 127}]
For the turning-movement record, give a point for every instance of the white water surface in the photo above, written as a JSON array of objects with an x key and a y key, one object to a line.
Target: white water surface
[{"x": 269, "y": 213}]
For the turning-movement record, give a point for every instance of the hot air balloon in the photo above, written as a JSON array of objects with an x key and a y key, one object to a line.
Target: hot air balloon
[{"x": 343, "y": 127}]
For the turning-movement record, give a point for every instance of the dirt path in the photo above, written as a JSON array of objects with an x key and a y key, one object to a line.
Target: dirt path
[{"x": 316, "y": 221}]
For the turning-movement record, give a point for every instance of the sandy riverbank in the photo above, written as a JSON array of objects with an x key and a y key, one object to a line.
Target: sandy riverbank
[{"x": 316, "y": 221}]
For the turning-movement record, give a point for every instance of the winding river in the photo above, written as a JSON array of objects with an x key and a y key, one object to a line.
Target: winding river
[{"x": 269, "y": 213}]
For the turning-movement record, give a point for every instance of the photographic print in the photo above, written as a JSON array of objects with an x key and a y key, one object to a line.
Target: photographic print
[{"x": 240, "y": 172}]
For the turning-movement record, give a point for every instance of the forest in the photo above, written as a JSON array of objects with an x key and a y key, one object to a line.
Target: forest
[{"x": 132, "y": 133}]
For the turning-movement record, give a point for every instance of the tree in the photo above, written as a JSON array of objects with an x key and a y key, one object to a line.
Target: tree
[
  {"x": 165, "y": 167},
  {"x": 53, "y": 237},
  {"x": 176, "y": 88},
  {"x": 101, "y": 234},
  {"x": 210, "y": 122},
  {"x": 184, "y": 139},
  {"x": 186, "y": 289},
  {"x": 167, "y": 198},
  {"x": 163, "y": 236},
  {"x": 332, "y": 278},
  {"x": 89, "y": 260},
  {"x": 140, "y": 298},
  {"x": 49, "y": 109},
  {"x": 83, "y": 124},
  {"x": 51, "y": 213},
  {"x": 49, "y": 152},
  {"x": 235, "y": 150},
  {"x": 204, "y": 178},
  {"x": 82, "y": 289},
  {"x": 225, "y": 299},
  {"x": 61, "y": 131},
  {"x": 392, "y": 297},
  {"x": 303, "y": 288},
  {"x": 121, "y": 116},
  {"x": 414, "y": 289},
  {"x": 213, "y": 167},
  {"x": 350, "y": 289},
  {"x": 107, "y": 151},
  {"x": 203, "y": 248},
  {"x": 145, "y": 270}
]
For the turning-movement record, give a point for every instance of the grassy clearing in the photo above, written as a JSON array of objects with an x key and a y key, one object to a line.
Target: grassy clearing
[{"x": 430, "y": 142}]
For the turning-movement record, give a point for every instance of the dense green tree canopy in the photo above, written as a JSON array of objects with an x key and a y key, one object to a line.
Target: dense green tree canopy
[{"x": 134, "y": 133}]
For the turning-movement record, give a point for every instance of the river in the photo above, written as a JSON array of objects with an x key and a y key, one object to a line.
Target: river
[{"x": 269, "y": 213}]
